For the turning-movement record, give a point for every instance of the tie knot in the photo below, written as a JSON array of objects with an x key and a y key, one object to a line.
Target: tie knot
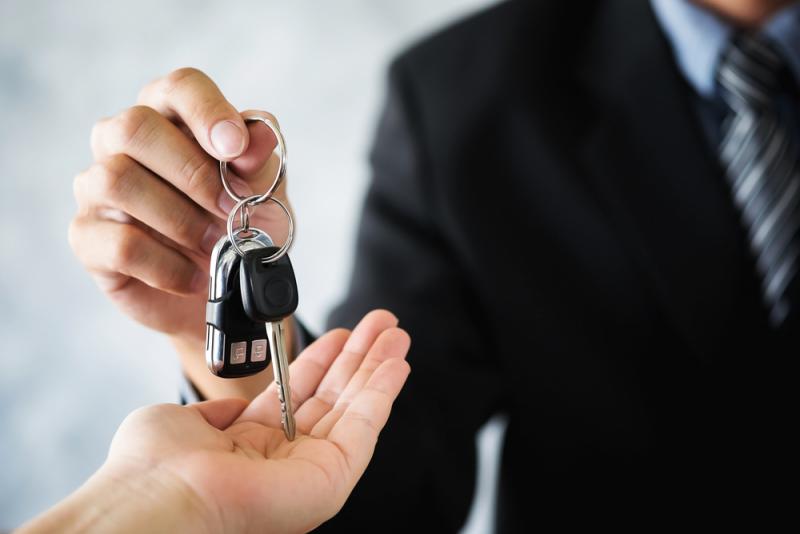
[{"x": 751, "y": 72}]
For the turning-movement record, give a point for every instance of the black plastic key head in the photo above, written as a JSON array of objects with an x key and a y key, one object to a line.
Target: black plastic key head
[
  {"x": 236, "y": 345},
  {"x": 269, "y": 290}
]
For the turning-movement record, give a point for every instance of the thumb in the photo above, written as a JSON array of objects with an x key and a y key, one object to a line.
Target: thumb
[
  {"x": 220, "y": 413},
  {"x": 262, "y": 143}
]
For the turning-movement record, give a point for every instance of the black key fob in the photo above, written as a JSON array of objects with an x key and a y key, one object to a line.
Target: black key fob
[
  {"x": 269, "y": 290},
  {"x": 236, "y": 345}
]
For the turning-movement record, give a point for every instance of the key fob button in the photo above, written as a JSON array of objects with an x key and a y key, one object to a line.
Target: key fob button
[
  {"x": 258, "y": 352},
  {"x": 278, "y": 292},
  {"x": 238, "y": 352}
]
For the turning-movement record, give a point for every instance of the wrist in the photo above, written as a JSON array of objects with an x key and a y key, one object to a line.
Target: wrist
[{"x": 121, "y": 501}]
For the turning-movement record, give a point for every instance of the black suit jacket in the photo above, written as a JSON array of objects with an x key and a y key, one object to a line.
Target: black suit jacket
[{"x": 551, "y": 226}]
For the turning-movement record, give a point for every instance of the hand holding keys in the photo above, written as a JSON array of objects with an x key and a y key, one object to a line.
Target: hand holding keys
[{"x": 252, "y": 289}]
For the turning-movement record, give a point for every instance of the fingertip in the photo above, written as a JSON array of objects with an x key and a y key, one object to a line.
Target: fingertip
[
  {"x": 333, "y": 339},
  {"x": 343, "y": 333},
  {"x": 335, "y": 334},
  {"x": 328, "y": 345},
  {"x": 403, "y": 333},
  {"x": 262, "y": 143},
  {"x": 264, "y": 135},
  {"x": 369, "y": 329},
  {"x": 396, "y": 342},
  {"x": 383, "y": 315},
  {"x": 399, "y": 366}
]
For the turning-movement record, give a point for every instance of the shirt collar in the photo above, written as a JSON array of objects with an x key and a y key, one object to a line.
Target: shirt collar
[
  {"x": 784, "y": 30},
  {"x": 698, "y": 38}
]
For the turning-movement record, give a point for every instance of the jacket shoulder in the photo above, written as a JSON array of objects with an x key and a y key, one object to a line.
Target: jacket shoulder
[{"x": 497, "y": 40}]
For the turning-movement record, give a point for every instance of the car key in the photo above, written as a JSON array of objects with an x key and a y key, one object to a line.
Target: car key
[
  {"x": 266, "y": 294},
  {"x": 236, "y": 346},
  {"x": 269, "y": 295}
]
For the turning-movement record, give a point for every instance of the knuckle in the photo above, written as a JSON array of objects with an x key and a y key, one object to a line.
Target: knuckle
[
  {"x": 196, "y": 173},
  {"x": 185, "y": 225},
  {"x": 181, "y": 76},
  {"x": 73, "y": 235},
  {"x": 79, "y": 185},
  {"x": 149, "y": 89},
  {"x": 96, "y": 134},
  {"x": 133, "y": 126},
  {"x": 113, "y": 178},
  {"x": 173, "y": 279},
  {"x": 125, "y": 249},
  {"x": 212, "y": 108}
]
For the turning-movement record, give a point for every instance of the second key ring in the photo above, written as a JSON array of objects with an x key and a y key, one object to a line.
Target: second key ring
[
  {"x": 279, "y": 175},
  {"x": 232, "y": 232}
]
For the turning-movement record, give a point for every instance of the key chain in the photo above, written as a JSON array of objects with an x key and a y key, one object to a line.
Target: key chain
[{"x": 251, "y": 290}]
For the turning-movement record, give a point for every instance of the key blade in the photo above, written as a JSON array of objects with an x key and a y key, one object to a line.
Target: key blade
[{"x": 280, "y": 369}]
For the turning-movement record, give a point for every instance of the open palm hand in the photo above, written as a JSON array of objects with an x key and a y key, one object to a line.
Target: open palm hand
[{"x": 232, "y": 457}]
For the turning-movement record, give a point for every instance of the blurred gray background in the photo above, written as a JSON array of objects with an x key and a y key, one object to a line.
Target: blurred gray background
[{"x": 71, "y": 366}]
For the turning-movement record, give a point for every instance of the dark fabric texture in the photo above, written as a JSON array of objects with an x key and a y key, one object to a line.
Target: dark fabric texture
[{"x": 550, "y": 223}]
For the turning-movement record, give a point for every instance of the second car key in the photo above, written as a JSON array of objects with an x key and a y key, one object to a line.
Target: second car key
[{"x": 269, "y": 295}]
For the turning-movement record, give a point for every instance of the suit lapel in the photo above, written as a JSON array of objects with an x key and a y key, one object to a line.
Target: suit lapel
[{"x": 652, "y": 168}]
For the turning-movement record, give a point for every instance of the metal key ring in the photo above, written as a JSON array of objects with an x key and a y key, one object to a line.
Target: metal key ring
[
  {"x": 232, "y": 233},
  {"x": 279, "y": 176},
  {"x": 244, "y": 217}
]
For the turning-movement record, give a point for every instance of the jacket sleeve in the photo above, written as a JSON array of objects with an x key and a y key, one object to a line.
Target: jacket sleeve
[{"x": 425, "y": 460}]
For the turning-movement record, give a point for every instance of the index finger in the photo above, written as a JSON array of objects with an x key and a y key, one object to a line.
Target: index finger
[{"x": 189, "y": 96}]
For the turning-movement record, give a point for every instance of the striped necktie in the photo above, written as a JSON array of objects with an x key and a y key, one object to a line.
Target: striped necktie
[{"x": 760, "y": 156}]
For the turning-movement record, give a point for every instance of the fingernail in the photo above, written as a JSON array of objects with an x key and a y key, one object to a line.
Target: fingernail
[
  {"x": 227, "y": 139},
  {"x": 199, "y": 281},
  {"x": 210, "y": 238},
  {"x": 240, "y": 187}
]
